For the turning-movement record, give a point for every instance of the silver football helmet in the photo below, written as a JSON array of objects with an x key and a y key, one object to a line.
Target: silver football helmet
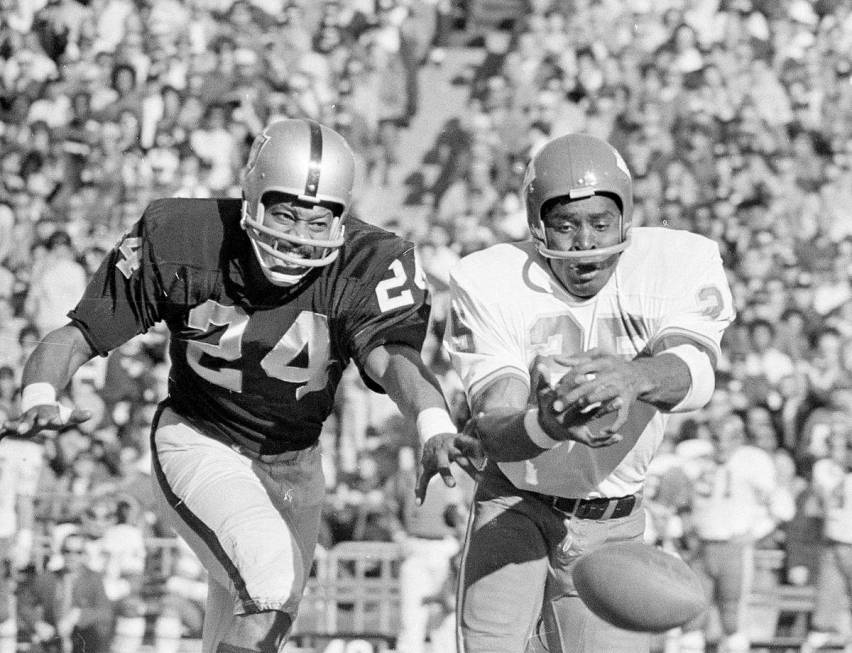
[{"x": 313, "y": 164}]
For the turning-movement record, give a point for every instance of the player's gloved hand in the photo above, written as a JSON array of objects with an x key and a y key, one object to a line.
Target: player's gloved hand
[
  {"x": 599, "y": 383},
  {"x": 44, "y": 417},
  {"x": 441, "y": 450}
]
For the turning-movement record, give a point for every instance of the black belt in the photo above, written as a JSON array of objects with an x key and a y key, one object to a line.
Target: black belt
[{"x": 603, "y": 508}]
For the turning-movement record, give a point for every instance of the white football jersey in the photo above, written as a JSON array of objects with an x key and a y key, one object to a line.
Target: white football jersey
[
  {"x": 508, "y": 308},
  {"x": 21, "y": 462}
]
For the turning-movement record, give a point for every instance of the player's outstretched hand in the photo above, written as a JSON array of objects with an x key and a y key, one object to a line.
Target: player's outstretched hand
[
  {"x": 45, "y": 417},
  {"x": 441, "y": 450}
]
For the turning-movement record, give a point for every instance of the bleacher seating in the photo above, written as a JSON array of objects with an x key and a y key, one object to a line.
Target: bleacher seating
[
  {"x": 354, "y": 592},
  {"x": 781, "y": 615}
]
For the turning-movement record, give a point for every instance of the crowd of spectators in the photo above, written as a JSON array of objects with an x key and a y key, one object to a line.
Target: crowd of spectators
[{"x": 735, "y": 117}]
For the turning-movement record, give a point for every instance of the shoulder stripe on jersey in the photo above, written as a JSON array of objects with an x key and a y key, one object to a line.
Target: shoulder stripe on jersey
[
  {"x": 674, "y": 336},
  {"x": 315, "y": 163}
]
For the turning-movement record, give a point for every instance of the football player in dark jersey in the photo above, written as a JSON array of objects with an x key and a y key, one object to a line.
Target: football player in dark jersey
[{"x": 267, "y": 300}]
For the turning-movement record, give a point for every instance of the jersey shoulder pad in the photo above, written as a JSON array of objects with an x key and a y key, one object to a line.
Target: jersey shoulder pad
[
  {"x": 497, "y": 257},
  {"x": 495, "y": 269},
  {"x": 502, "y": 259},
  {"x": 190, "y": 232},
  {"x": 671, "y": 244},
  {"x": 659, "y": 257},
  {"x": 369, "y": 249}
]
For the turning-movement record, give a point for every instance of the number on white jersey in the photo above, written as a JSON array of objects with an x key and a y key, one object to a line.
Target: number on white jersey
[{"x": 710, "y": 298}]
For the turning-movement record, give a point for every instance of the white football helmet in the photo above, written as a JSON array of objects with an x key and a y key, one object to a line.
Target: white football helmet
[{"x": 313, "y": 164}]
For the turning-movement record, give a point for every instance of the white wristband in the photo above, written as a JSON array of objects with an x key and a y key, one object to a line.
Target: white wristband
[
  {"x": 37, "y": 394},
  {"x": 537, "y": 434},
  {"x": 703, "y": 377},
  {"x": 432, "y": 421}
]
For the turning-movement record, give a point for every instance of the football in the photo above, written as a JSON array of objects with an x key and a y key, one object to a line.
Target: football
[
  {"x": 638, "y": 587},
  {"x": 558, "y": 377}
]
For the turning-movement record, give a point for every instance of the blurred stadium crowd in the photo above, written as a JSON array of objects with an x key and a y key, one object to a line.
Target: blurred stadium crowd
[{"x": 735, "y": 117}]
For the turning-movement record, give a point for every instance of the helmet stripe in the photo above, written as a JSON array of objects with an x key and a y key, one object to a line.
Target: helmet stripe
[{"x": 315, "y": 163}]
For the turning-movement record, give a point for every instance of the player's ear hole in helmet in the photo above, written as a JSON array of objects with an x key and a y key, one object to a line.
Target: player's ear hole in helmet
[
  {"x": 576, "y": 166},
  {"x": 313, "y": 166}
]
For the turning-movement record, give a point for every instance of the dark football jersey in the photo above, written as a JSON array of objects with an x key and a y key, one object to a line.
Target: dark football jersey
[{"x": 252, "y": 363}]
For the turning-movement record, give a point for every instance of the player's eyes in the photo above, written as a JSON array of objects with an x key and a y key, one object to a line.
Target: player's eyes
[
  {"x": 321, "y": 214},
  {"x": 284, "y": 218},
  {"x": 564, "y": 228}
]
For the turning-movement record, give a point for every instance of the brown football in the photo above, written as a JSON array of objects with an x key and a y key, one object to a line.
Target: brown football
[{"x": 638, "y": 587}]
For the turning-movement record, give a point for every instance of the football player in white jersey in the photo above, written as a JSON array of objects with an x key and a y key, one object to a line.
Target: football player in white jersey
[{"x": 572, "y": 349}]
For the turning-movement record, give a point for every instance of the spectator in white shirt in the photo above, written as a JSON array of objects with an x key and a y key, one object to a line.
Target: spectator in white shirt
[
  {"x": 765, "y": 359},
  {"x": 57, "y": 286}
]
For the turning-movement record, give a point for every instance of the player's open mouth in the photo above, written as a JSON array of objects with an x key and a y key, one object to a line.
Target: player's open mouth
[
  {"x": 286, "y": 269},
  {"x": 585, "y": 270}
]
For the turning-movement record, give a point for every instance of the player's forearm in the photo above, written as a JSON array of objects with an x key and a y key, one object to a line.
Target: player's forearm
[
  {"x": 400, "y": 370},
  {"x": 665, "y": 380},
  {"x": 57, "y": 357},
  {"x": 507, "y": 428},
  {"x": 505, "y": 436}
]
